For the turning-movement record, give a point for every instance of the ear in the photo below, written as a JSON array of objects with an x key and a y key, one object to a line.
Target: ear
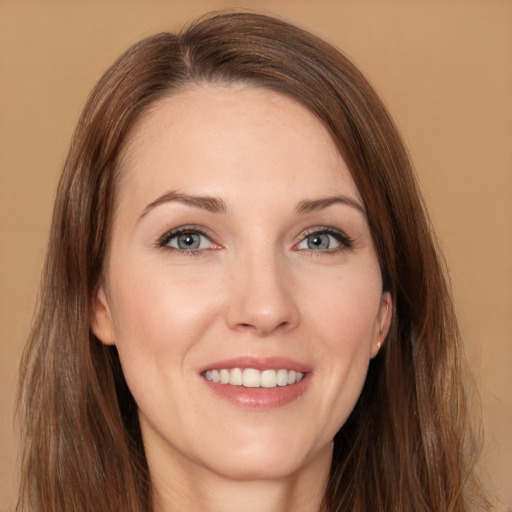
[
  {"x": 101, "y": 323},
  {"x": 383, "y": 323}
]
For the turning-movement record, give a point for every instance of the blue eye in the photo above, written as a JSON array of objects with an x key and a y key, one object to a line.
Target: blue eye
[
  {"x": 319, "y": 241},
  {"x": 325, "y": 240},
  {"x": 186, "y": 240}
]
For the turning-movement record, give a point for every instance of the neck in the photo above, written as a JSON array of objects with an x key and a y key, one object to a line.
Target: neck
[{"x": 199, "y": 490}]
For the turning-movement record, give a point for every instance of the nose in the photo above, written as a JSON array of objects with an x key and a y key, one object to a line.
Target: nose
[{"x": 262, "y": 300}]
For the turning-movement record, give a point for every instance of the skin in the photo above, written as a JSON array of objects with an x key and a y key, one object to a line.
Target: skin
[{"x": 256, "y": 286}]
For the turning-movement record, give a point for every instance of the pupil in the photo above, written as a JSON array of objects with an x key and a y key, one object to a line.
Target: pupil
[
  {"x": 318, "y": 241},
  {"x": 188, "y": 241}
]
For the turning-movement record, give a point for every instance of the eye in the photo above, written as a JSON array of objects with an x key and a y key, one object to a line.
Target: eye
[
  {"x": 186, "y": 240},
  {"x": 325, "y": 240}
]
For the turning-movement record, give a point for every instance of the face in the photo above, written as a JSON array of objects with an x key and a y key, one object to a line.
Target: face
[{"x": 243, "y": 290}]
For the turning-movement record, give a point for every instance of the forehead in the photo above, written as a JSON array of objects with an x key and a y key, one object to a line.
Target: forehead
[{"x": 231, "y": 138}]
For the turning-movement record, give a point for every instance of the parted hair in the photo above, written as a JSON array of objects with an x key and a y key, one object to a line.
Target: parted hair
[{"x": 407, "y": 445}]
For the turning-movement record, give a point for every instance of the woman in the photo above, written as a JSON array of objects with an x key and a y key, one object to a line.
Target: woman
[{"x": 242, "y": 307}]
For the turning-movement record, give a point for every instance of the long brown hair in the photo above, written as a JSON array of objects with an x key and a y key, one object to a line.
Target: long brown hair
[{"x": 407, "y": 444}]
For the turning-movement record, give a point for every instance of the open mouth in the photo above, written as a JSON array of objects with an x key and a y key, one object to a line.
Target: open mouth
[{"x": 253, "y": 378}]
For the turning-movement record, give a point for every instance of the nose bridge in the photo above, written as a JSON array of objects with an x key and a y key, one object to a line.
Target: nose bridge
[{"x": 262, "y": 299}]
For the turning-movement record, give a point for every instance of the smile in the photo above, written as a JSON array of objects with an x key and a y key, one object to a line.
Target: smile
[{"x": 253, "y": 378}]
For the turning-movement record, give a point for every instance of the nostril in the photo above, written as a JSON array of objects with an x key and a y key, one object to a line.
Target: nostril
[
  {"x": 261, "y": 303},
  {"x": 261, "y": 328}
]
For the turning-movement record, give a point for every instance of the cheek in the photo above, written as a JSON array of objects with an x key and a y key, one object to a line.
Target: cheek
[
  {"x": 346, "y": 309},
  {"x": 344, "y": 324},
  {"x": 159, "y": 309},
  {"x": 159, "y": 321}
]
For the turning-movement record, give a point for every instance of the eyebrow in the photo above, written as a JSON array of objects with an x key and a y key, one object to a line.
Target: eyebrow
[
  {"x": 208, "y": 203},
  {"x": 218, "y": 205},
  {"x": 313, "y": 205}
]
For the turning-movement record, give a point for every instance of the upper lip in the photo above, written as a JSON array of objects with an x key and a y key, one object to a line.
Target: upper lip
[{"x": 258, "y": 363}]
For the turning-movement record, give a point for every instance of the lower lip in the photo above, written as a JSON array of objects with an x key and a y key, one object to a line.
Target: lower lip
[{"x": 260, "y": 398}]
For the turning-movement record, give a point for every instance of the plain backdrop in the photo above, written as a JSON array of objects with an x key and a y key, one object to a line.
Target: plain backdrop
[{"x": 444, "y": 69}]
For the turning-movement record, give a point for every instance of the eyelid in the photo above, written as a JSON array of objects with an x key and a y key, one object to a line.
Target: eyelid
[
  {"x": 163, "y": 241},
  {"x": 345, "y": 241}
]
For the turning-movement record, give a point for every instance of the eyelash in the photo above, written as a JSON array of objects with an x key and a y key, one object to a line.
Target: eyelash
[
  {"x": 163, "y": 242},
  {"x": 346, "y": 242}
]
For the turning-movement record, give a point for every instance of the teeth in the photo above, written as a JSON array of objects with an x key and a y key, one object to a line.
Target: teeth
[
  {"x": 282, "y": 377},
  {"x": 252, "y": 378},
  {"x": 235, "y": 377},
  {"x": 268, "y": 379}
]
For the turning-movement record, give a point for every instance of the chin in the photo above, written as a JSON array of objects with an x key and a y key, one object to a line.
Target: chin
[
  {"x": 269, "y": 461},
  {"x": 272, "y": 468}
]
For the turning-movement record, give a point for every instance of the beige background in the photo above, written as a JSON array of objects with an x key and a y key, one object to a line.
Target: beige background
[{"x": 444, "y": 68}]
